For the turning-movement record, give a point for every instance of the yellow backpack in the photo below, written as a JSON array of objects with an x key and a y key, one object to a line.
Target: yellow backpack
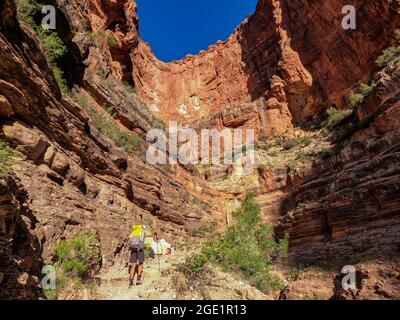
[
  {"x": 136, "y": 230},
  {"x": 137, "y": 237}
]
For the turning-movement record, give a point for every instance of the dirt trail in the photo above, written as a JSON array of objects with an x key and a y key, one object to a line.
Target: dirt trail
[
  {"x": 163, "y": 284},
  {"x": 157, "y": 281}
]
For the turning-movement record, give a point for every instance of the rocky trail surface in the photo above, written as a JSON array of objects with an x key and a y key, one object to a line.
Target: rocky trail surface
[
  {"x": 157, "y": 281},
  {"x": 162, "y": 281}
]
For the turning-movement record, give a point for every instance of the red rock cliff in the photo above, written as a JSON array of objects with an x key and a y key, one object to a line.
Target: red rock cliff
[{"x": 301, "y": 42}]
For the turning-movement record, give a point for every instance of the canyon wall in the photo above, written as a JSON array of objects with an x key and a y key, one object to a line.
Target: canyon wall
[
  {"x": 282, "y": 66},
  {"x": 70, "y": 176},
  {"x": 300, "y": 42},
  {"x": 348, "y": 206}
]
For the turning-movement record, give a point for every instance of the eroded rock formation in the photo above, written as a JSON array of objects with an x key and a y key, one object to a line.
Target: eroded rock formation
[
  {"x": 302, "y": 43},
  {"x": 350, "y": 202},
  {"x": 73, "y": 177},
  {"x": 280, "y": 68}
]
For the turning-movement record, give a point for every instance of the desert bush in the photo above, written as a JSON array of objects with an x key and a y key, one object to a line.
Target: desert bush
[
  {"x": 6, "y": 157},
  {"x": 101, "y": 73},
  {"x": 290, "y": 143},
  {"x": 54, "y": 47},
  {"x": 75, "y": 256},
  {"x": 59, "y": 75},
  {"x": 362, "y": 92},
  {"x": 26, "y": 9},
  {"x": 107, "y": 125},
  {"x": 248, "y": 248},
  {"x": 99, "y": 38},
  {"x": 355, "y": 99},
  {"x": 52, "y": 43},
  {"x": 110, "y": 129},
  {"x": 130, "y": 88},
  {"x": 303, "y": 156},
  {"x": 74, "y": 260},
  {"x": 291, "y": 165},
  {"x": 336, "y": 117},
  {"x": 296, "y": 272},
  {"x": 109, "y": 109},
  {"x": 388, "y": 55},
  {"x": 112, "y": 42}
]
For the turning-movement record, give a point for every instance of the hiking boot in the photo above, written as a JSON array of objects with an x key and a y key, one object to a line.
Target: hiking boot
[
  {"x": 139, "y": 280},
  {"x": 131, "y": 282}
]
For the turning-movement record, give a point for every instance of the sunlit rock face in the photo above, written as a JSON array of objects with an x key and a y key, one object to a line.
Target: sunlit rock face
[
  {"x": 285, "y": 64},
  {"x": 303, "y": 44}
]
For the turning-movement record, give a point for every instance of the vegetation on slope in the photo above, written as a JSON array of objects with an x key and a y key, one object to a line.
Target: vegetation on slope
[
  {"x": 107, "y": 125},
  {"x": 247, "y": 247},
  {"x": 361, "y": 94},
  {"x": 75, "y": 258},
  {"x": 388, "y": 55},
  {"x": 6, "y": 157},
  {"x": 53, "y": 45}
]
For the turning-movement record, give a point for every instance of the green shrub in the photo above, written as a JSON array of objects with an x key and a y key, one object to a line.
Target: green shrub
[
  {"x": 112, "y": 42},
  {"x": 59, "y": 75},
  {"x": 107, "y": 125},
  {"x": 75, "y": 256},
  {"x": 54, "y": 47},
  {"x": 290, "y": 143},
  {"x": 248, "y": 247},
  {"x": 130, "y": 88},
  {"x": 388, "y": 55},
  {"x": 355, "y": 99},
  {"x": 194, "y": 266},
  {"x": 50, "y": 294},
  {"x": 303, "y": 156},
  {"x": 336, "y": 117},
  {"x": 6, "y": 157},
  {"x": 110, "y": 110},
  {"x": 366, "y": 89},
  {"x": 26, "y": 9},
  {"x": 110, "y": 129},
  {"x": 98, "y": 38},
  {"x": 101, "y": 73},
  {"x": 74, "y": 259},
  {"x": 295, "y": 272},
  {"x": 291, "y": 166},
  {"x": 52, "y": 43},
  {"x": 362, "y": 92}
]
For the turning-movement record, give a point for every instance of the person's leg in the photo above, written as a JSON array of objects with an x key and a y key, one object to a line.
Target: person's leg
[
  {"x": 140, "y": 269},
  {"x": 140, "y": 266},
  {"x": 132, "y": 272},
  {"x": 139, "y": 273},
  {"x": 133, "y": 261}
]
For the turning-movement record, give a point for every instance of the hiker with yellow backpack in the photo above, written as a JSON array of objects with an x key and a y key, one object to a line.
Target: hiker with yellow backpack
[{"x": 136, "y": 246}]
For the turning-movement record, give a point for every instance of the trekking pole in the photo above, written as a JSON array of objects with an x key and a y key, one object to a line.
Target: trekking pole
[{"x": 158, "y": 255}]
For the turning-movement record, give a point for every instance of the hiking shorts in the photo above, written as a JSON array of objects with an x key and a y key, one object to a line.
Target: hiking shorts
[{"x": 137, "y": 255}]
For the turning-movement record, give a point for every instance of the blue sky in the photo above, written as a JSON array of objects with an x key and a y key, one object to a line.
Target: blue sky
[{"x": 175, "y": 28}]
